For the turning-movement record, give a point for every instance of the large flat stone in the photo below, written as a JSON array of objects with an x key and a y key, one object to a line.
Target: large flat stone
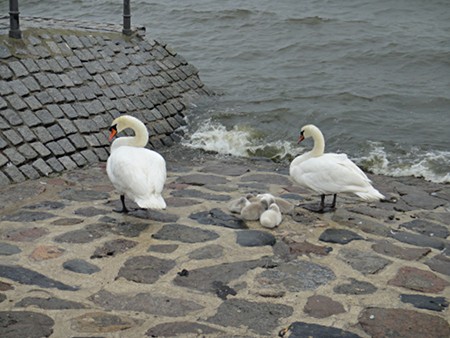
[
  {"x": 101, "y": 322},
  {"x": 80, "y": 266},
  {"x": 175, "y": 329},
  {"x": 218, "y": 217},
  {"x": 114, "y": 247},
  {"x": 50, "y": 303},
  {"x": 145, "y": 269},
  {"x": 340, "y": 236},
  {"x": 8, "y": 249},
  {"x": 295, "y": 276},
  {"x": 418, "y": 280},
  {"x": 379, "y": 322},
  {"x": 28, "y": 216},
  {"x": 25, "y": 234},
  {"x": 262, "y": 318},
  {"x": 411, "y": 254},
  {"x": 427, "y": 228},
  {"x": 30, "y": 277},
  {"x": 203, "y": 279},
  {"x": 14, "y": 324},
  {"x": 303, "y": 330},
  {"x": 152, "y": 303},
  {"x": 439, "y": 263},
  {"x": 184, "y": 233},
  {"x": 425, "y": 302},
  {"x": 251, "y": 238},
  {"x": 355, "y": 287},
  {"x": 365, "y": 262},
  {"x": 322, "y": 306}
]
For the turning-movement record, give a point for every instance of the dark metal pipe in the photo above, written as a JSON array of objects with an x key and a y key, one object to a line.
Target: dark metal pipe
[
  {"x": 14, "y": 27},
  {"x": 126, "y": 18}
]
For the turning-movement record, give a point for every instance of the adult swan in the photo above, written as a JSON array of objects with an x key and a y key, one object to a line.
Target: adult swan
[
  {"x": 135, "y": 172},
  {"x": 329, "y": 174}
]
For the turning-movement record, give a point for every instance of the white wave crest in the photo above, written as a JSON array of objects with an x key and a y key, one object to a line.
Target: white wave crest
[
  {"x": 428, "y": 165},
  {"x": 239, "y": 141}
]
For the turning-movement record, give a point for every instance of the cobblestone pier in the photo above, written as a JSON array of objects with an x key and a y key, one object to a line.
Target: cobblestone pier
[
  {"x": 70, "y": 267},
  {"x": 64, "y": 82}
]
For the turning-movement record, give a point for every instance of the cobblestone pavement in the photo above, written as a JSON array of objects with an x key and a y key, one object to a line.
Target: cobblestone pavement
[{"x": 70, "y": 267}]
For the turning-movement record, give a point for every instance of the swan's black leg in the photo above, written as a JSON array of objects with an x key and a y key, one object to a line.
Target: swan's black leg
[
  {"x": 333, "y": 204},
  {"x": 322, "y": 203},
  {"x": 124, "y": 208}
]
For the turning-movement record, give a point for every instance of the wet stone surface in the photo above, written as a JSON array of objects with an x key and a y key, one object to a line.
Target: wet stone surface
[{"x": 196, "y": 269}]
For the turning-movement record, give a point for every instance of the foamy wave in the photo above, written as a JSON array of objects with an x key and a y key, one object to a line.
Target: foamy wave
[
  {"x": 239, "y": 141},
  {"x": 428, "y": 165},
  {"x": 245, "y": 142}
]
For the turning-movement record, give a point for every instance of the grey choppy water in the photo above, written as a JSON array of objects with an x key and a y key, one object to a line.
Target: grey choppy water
[{"x": 373, "y": 75}]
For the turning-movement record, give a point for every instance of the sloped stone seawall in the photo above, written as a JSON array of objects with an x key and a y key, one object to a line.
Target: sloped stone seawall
[{"x": 63, "y": 83}]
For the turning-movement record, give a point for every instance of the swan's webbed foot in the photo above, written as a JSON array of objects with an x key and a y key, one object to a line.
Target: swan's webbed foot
[
  {"x": 124, "y": 209},
  {"x": 321, "y": 208}
]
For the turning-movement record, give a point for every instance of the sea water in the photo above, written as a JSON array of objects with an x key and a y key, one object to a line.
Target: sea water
[{"x": 374, "y": 76}]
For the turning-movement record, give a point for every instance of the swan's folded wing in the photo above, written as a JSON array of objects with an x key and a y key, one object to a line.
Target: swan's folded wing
[
  {"x": 329, "y": 175},
  {"x": 137, "y": 171}
]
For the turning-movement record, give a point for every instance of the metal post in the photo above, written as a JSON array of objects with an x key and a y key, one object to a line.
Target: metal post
[
  {"x": 14, "y": 29},
  {"x": 126, "y": 17}
]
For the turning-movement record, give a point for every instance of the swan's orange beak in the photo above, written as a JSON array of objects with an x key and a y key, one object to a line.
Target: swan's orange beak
[
  {"x": 113, "y": 132},
  {"x": 300, "y": 138}
]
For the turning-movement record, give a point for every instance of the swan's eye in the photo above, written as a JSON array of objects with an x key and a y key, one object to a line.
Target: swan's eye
[{"x": 114, "y": 127}]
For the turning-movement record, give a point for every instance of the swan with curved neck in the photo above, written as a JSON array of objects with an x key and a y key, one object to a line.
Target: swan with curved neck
[
  {"x": 329, "y": 173},
  {"x": 135, "y": 172}
]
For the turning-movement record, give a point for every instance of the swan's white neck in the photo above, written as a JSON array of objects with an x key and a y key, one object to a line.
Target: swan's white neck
[
  {"x": 319, "y": 143},
  {"x": 140, "y": 138}
]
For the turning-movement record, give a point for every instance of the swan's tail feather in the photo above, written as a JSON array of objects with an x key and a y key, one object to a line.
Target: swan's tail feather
[
  {"x": 370, "y": 195},
  {"x": 151, "y": 202}
]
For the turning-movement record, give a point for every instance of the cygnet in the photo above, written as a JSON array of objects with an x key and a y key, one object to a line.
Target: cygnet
[
  {"x": 236, "y": 205},
  {"x": 271, "y": 217},
  {"x": 285, "y": 206},
  {"x": 252, "y": 211}
]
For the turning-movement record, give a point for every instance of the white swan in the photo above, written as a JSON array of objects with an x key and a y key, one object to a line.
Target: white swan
[
  {"x": 135, "y": 172},
  {"x": 271, "y": 217},
  {"x": 329, "y": 173}
]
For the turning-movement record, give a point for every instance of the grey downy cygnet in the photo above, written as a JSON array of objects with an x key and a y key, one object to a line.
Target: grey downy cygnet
[{"x": 252, "y": 211}]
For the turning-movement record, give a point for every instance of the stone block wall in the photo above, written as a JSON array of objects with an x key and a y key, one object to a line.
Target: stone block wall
[{"x": 64, "y": 82}]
